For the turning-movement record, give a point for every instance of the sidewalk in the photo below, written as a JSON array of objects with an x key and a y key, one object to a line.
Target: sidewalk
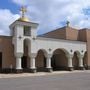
[{"x": 40, "y": 74}]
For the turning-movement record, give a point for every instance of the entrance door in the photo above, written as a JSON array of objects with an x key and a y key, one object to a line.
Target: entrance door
[{"x": 24, "y": 62}]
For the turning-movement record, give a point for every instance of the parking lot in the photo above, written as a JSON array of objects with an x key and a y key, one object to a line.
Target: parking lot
[{"x": 59, "y": 81}]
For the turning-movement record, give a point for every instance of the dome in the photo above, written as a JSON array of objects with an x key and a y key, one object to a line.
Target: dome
[{"x": 23, "y": 17}]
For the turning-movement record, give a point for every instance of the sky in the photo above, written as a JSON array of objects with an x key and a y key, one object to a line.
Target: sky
[{"x": 50, "y": 14}]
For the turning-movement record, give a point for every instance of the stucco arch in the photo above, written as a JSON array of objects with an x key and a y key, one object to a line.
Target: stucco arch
[
  {"x": 44, "y": 52},
  {"x": 41, "y": 59},
  {"x": 78, "y": 52},
  {"x": 27, "y": 41},
  {"x": 26, "y": 44},
  {"x": 75, "y": 59},
  {"x": 64, "y": 50},
  {"x": 59, "y": 59}
]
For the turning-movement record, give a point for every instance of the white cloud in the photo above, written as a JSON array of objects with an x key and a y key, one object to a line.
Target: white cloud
[
  {"x": 20, "y": 2},
  {"x": 6, "y": 18},
  {"x": 52, "y": 13}
]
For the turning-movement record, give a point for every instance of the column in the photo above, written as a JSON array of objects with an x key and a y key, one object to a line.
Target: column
[
  {"x": 81, "y": 66},
  {"x": 18, "y": 65},
  {"x": 32, "y": 63},
  {"x": 48, "y": 63},
  {"x": 70, "y": 66}
]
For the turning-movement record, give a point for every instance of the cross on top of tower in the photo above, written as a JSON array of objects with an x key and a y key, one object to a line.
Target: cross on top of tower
[
  {"x": 67, "y": 23},
  {"x": 23, "y": 11},
  {"x": 23, "y": 17}
]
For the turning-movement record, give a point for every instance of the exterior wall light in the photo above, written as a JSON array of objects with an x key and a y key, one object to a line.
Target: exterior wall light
[
  {"x": 33, "y": 38},
  {"x": 71, "y": 50},
  {"x": 82, "y": 51},
  {"x": 20, "y": 37},
  {"x": 49, "y": 49}
]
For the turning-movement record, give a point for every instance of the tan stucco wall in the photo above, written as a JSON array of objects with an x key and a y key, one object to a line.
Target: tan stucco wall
[
  {"x": 68, "y": 33},
  {"x": 57, "y": 34},
  {"x": 71, "y": 34},
  {"x": 88, "y": 47},
  {"x": 6, "y": 48},
  {"x": 82, "y": 35}
]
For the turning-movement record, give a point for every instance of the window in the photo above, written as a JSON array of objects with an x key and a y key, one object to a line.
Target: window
[{"x": 27, "y": 31}]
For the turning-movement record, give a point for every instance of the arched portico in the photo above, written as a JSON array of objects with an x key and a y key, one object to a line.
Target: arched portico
[
  {"x": 25, "y": 63},
  {"x": 41, "y": 60},
  {"x": 59, "y": 60},
  {"x": 78, "y": 60}
]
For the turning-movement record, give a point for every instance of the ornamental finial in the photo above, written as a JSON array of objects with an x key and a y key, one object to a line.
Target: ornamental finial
[
  {"x": 23, "y": 11},
  {"x": 67, "y": 23},
  {"x": 23, "y": 17}
]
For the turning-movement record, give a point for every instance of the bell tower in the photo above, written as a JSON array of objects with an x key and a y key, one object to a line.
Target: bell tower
[
  {"x": 22, "y": 29},
  {"x": 23, "y": 26}
]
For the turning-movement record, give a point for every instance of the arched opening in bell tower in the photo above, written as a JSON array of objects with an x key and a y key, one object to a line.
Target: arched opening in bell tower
[{"x": 25, "y": 58}]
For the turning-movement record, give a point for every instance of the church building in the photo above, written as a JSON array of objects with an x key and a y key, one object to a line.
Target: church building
[{"x": 65, "y": 48}]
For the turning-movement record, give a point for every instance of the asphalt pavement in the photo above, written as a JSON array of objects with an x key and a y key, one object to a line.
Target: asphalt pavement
[{"x": 66, "y": 81}]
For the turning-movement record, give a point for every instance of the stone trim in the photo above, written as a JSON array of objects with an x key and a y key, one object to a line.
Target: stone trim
[
  {"x": 33, "y": 70},
  {"x": 81, "y": 68},
  {"x": 9, "y": 70},
  {"x": 61, "y": 40},
  {"x": 88, "y": 68},
  {"x": 70, "y": 68},
  {"x": 49, "y": 70}
]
